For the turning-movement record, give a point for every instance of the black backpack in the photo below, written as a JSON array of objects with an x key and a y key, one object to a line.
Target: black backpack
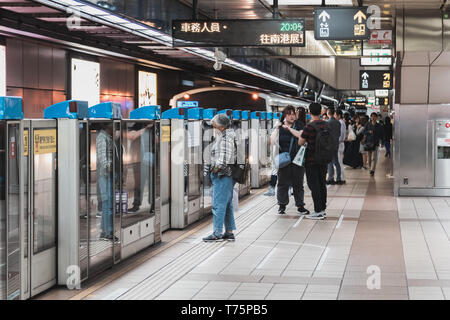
[{"x": 324, "y": 144}]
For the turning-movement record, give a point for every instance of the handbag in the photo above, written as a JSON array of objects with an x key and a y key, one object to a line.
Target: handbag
[
  {"x": 283, "y": 159},
  {"x": 300, "y": 156}
]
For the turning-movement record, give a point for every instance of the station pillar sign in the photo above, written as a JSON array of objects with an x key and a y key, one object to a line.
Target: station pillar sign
[
  {"x": 375, "y": 79},
  {"x": 341, "y": 23}
]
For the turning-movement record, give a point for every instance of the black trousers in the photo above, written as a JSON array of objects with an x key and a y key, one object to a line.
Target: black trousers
[
  {"x": 316, "y": 178},
  {"x": 291, "y": 175}
]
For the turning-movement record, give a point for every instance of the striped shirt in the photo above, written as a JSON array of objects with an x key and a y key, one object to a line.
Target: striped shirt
[{"x": 223, "y": 152}]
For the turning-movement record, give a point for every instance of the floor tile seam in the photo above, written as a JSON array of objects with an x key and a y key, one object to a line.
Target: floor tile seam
[
  {"x": 281, "y": 239},
  {"x": 161, "y": 274},
  {"x": 299, "y": 247},
  {"x": 173, "y": 277},
  {"x": 329, "y": 239},
  {"x": 196, "y": 294},
  {"x": 259, "y": 215},
  {"x": 136, "y": 291},
  {"x": 371, "y": 182},
  {"x": 426, "y": 242},
  {"x": 251, "y": 243}
]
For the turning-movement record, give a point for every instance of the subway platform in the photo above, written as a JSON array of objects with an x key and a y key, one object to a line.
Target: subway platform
[{"x": 372, "y": 245}]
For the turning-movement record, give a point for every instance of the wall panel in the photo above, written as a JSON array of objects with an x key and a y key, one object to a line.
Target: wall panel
[{"x": 14, "y": 66}]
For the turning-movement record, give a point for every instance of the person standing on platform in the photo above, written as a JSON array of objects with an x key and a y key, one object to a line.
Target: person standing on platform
[
  {"x": 285, "y": 136},
  {"x": 223, "y": 155},
  {"x": 316, "y": 171},
  {"x": 373, "y": 134},
  {"x": 335, "y": 126},
  {"x": 387, "y": 136},
  {"x": 340, "y": 179}
]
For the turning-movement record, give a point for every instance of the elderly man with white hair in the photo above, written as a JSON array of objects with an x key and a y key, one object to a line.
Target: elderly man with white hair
[{"x": 223, "y": 154}]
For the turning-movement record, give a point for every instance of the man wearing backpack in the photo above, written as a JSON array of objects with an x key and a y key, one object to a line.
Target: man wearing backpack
[{"x": 319, "y": 152}]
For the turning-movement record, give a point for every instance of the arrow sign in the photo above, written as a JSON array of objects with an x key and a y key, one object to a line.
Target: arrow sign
[
  {"x": 360, "y": 16},
  {"x": 365, "y": 76},
  {"x": 324, "y": 16}
]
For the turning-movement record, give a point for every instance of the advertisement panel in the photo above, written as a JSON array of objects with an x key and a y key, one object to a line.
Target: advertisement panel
[
  {"x": 86, "y": 81},
  {"x": 147, "y": 88}
]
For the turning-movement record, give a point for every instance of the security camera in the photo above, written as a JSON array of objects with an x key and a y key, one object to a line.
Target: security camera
[{"x": 220, "y": 59}]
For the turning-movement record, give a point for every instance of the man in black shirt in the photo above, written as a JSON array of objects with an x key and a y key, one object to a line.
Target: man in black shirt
[{"x": 315, "y": 172}]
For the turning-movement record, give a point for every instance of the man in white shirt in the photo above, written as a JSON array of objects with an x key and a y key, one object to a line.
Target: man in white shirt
[{"x": 342, "y": 138}]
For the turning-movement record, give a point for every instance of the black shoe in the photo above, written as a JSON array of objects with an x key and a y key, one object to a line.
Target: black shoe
[
  {"x": 281, "y": 210},
  {"x": 213, "y": 238},
  {"x": 134, "y": 208},
  {"x": 340, "y": 182},
  {"x": 331, "y": 182},
  {"x": 303, "y": 210},
  {"x": 111, "y": 237},
  {"x": 372, "y": 173},
  {"x": 228, "y": 236}
]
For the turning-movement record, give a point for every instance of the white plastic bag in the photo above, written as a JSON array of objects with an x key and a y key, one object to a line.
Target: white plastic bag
[
  {"x": 351, "y": 134},
  {"x": 300, "y": 156}
]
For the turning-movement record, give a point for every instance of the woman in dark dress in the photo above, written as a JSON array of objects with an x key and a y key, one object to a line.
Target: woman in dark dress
[{"x": 352, "y": 155}]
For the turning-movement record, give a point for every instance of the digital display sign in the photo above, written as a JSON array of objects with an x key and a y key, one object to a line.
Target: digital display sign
[{"x": 246, "y": 32}]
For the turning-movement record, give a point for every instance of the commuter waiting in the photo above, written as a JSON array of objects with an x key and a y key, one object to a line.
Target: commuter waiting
[
  {"x": 373, "y": 134},
  {"x": 223, "y": 154},
  {"x": 335, "y": 127},
  {"x": 285, "y": 136},
  {"x": 340, "y": 179},
  {"x": 319, "y": 152},
  {"x": 387, "y": 136}
]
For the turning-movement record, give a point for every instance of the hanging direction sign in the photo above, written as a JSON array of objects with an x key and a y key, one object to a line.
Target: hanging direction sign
[
  {"x": 341, "y": 23},
  {"x": 375, "y": 79},
  {"x": 229, "y": 33}
]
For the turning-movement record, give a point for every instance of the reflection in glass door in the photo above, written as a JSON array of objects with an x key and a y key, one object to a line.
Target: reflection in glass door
[
  {"x": 101, "y": 196},
  {"x": 138, "y": 194}
]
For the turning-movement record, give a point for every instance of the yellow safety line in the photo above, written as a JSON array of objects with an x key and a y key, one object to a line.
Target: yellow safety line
[{"x": 83, "y": 294}]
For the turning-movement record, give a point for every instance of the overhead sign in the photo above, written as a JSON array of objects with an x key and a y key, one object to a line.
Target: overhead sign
[
  {"x": 378, "y": 57},
  {"x": 380, "y": 37},
  {"x": 246, "y": 32},
  {"x": 341, "y": 23},
  {"x": 187, "y": 104},
  {"x": 360, "y": 101},
  {"x": 382, "y": 93},
  {"x": 375, "y": 79},
  {"x": 382, "y": 101}
]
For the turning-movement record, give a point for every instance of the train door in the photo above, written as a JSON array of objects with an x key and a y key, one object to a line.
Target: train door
[
  {"x": 39, "y": 205},
  {"x": 105, "y": 169}
]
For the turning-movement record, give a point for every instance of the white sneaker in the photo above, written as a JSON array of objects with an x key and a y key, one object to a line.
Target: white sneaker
[{"x": 316, "y": 215}]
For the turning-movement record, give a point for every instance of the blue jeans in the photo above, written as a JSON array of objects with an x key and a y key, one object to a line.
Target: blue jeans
[
  {"x": 106, "y": 192},
  {"x": 222, "y": 205},
  {"x": 331, "y": 165},
  {"x": 387, "y": 145}
]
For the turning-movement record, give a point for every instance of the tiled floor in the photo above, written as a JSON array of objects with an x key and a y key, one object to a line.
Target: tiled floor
[{"x": 371, "y": 246}]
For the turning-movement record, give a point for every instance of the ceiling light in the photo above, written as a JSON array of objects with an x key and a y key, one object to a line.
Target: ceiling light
[
  {"x": 255, "y": 96},
  {"x": 186, "y": 96}
]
